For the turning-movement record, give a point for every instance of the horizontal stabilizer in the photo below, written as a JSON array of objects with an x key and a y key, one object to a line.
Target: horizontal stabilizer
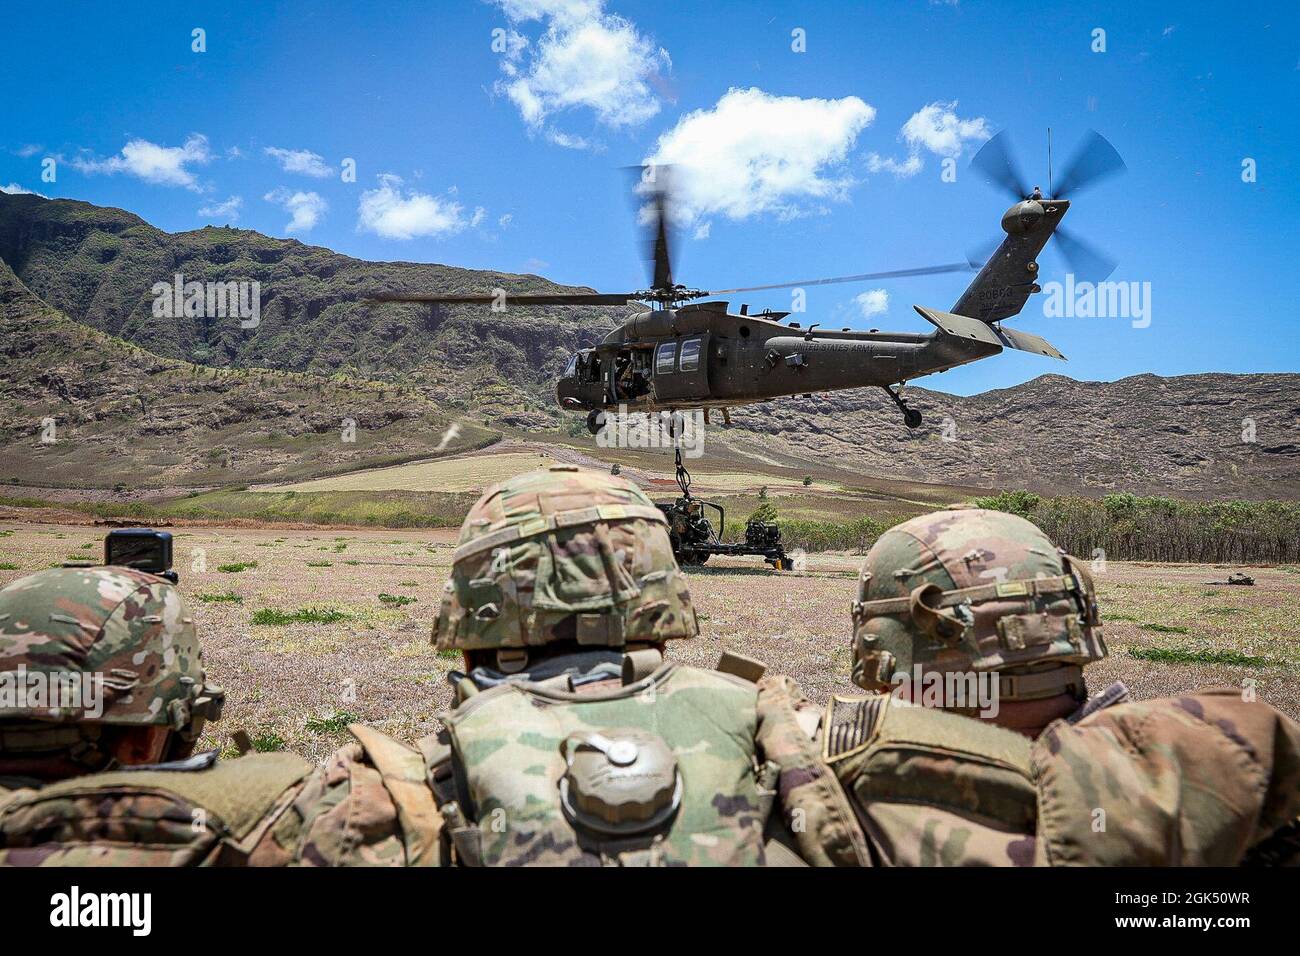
[
  {"x": 1028, "y": 342},
  {"x": 964, "y": 327}
]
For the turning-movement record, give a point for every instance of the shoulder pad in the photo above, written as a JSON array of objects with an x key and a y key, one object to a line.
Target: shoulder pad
[{"x": 851, "y": 724}]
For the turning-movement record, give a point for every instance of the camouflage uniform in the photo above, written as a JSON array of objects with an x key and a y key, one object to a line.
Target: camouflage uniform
[
  {"x": 572, "y": 742},
  {"x": 126, "y": 639},
  {"x": 1206, "y": 778}
]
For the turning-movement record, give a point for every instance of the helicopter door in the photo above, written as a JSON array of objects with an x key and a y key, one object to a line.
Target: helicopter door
[{"x": 682, "y": 369}]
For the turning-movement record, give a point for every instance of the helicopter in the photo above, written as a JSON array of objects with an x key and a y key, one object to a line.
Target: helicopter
[{"x": 681, "y": 354}]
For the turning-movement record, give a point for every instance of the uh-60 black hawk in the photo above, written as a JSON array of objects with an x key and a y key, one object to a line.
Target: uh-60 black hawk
[{"x": 681, "y": 354}]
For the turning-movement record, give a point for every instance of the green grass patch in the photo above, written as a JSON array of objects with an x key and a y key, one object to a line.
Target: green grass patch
[
  {"x": 448, "y": 653},
  {"x": 267, "y": 741},
  {"x": 397, "y": 600},
  {"x": 1164, "y": 628},
  {"x": 6, "y": 566},
  {"x": 225, "y": 597},
  {"x": 1120, "y": 617},
  {"x": 236, "y": 567},
  {"x": 1178, "y": 655},
  {"x": 320, "y": 564},
  {"x": 304, "y": 615},
  {"x": 335, "y": 723}
]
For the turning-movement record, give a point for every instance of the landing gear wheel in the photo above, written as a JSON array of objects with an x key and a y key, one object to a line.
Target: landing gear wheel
[
  {"x": 595, "y": 421},
  {"x": 911, "y": 417}
]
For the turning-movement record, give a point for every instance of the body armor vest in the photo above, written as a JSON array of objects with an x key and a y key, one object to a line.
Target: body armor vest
[
  {"x": 933, "y": 788},
  {"x": 662, "y": 771},
  {"x": 150, "y": 817}
]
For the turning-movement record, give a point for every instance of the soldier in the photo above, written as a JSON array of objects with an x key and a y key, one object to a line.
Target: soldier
[
  {"x": 1032, "y": 772},
  {"x": 102, "y": 700},
  {"x": 571, "y": 741}
]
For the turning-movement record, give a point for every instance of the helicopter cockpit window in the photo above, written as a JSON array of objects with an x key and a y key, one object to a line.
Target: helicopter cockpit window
[
  {"x": 690, "y": 357},
  {"x": 572, "y": 368},
  {"x": 666, "y": 358},
  {"x": 587, "y": 367}
]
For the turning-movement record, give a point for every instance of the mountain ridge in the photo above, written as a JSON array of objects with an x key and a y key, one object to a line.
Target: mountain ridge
[{"x": 1149, "y": 434}]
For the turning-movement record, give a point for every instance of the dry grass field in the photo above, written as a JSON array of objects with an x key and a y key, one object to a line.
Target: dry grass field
[
  {"x": 298, "y": 682},
  {"x": 474, "y": 472}
]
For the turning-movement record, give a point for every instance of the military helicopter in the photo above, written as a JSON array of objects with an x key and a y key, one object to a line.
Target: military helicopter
[{"x": 680, "y": 354}]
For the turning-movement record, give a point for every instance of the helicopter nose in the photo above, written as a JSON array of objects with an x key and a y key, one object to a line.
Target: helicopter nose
[{"x": 566, "y": 393}]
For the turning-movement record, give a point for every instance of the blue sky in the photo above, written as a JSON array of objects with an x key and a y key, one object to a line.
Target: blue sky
[{"x": 511, "y": 160}]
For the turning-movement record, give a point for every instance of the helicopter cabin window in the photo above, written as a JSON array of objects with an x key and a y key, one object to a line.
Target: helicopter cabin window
[
  {"x": 690, "y": 357},
  {"x": 572, "y": 368},
  {"x": 666, "y": 358}
]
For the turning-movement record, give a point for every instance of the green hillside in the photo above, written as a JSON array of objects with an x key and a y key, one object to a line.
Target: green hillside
[
  {"x": 98, "y": 266},
  {"x": 120, "y": 415}
]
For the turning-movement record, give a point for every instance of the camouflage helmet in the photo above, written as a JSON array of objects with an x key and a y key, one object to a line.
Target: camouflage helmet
[
  {"x": 93, "y": 646},
  {"x": 563, "y": 554},
  {"x": 967, "y": 589}
]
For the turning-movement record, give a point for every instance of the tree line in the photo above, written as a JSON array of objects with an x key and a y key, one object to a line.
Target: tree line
[{"x": 1122, "y": 527}]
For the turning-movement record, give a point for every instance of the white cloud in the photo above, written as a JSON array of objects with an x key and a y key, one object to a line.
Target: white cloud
[
  {"x": 887, "y": 164},
  {"x": 393, "y": 213},
  {"x": 940, "y": 130},
  {"x": 300, "y": 161},
  {"x": 702, "y": 231},
  {"x": 305, "y": 209},
  {"x": 754, "y": 153},
  {"x": 164, "y": 165},
  {"x": 568, "y": 141},
  {"x": 935, "y": 128},
  {"x": 506, "y": 220},
  {"x": 872, "y": 302},
  {"x": 479, "y": 215},
  {"x": 227, "y": 211},
  {"x": 13, "y": 189},
  {"x": 585, "y": 59},
  {"x": 27, "y": 150},
  {"x": 1168, "y": 31}
]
